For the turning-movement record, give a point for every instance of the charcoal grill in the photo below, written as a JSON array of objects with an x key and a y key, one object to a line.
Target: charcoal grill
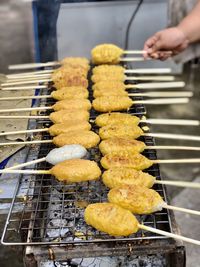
[{"x": 51, "y": 223}]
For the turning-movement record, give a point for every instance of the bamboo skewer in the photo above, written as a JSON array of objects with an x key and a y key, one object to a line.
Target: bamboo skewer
[
  {"x": 150, "y": 78},
  {"x": 26, "y": 142},
  {"x": 171, "y": 122},
  {"x": 150, "y": 121},
  {"x": 14, "y": 169},
  {"x": 26, "y": 164},
  {"x": 151, "y": 94},
  {"x": 171, "y": 235},
  {"x": 177, "y": 161},
  {"x": 163, "y": 85},
  {"x": 24, "y": 117},
  {"x": 35, "y": 78},
  {"x": 47, "y": 78},
  {"x": 194, "y": 148},
  {"x": 24, "y": 109},
  {"x": 30, "y": 87},
  {"x": 134, "y": 59},
  {"x": 179, "y": 183},
  {"x": 162, "y": 94},
  {"x": 165, "y": 205},
  {"x": 25, "y": 97},
  {"x": 33, "y": 65},
  {"x": 6, "y": 85},
  {"x": 173, "y": 136},
  {"x": 44, "y": 73},
  {"x": 165, "y": 101},
  {"x": 158, "y": 135},
  {"x": 149, "y": 71},
  {"x": 32, "y": 73},
  {"x": 57, "y": 63},
  {"x": 25, "y": 131},
  {"x": 136, "y": 52},
  {"x": 190, "y": 211}
]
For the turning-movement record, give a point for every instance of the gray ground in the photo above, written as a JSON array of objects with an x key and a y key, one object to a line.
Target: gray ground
[{"x": 14, "y": 30}]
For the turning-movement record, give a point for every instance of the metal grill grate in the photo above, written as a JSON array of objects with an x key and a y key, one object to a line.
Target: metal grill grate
[{"x": 52, "y": 212}]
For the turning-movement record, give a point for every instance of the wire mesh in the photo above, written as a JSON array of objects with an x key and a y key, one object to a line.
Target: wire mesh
[{"x": 53, "y": 212}]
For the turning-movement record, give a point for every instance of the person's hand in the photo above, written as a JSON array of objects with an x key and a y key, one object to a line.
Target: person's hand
[{"x": 166, "y": 43}]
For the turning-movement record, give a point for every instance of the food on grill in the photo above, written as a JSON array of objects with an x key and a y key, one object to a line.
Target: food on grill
[
  {"x": 118, "y": 144},
  {"x": 68, "y": 76},
  {"x": 70, "y": 80},
  {"x": 99, "y": 93},
  {"x": 118, "y": 176},
  {"x": 64, "y": 71},
  {"x": 70, "y": 93},
  {"x": 109, "y": 85},
  {"x": 72, "y": 104},
  {"x": 116, "y": 118},
  {"x": 111, "y": 219},
  {"x": 76, "y": 62},
  {"x": 96, "y": 78},
  {"x": 137, "y": 199},
  {"x": 118, "y": 130},
  {"x": 112, "y": 103},
  {"x": 87, "y": 139},
  {"x": 66, "y": 116},
  {"x": 66, "y": 152},
  {"x": 106, "y": 54},
  {"x": 76, "y": 170},
  {"x": 108, "y": 69},
  {"x": 125, "y": 159},
  {"x": 60, "y": 128}
]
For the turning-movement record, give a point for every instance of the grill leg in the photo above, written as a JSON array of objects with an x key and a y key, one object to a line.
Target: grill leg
[
  {"x": 30, "y": 261},
  {"x": 178, "y": 258}
]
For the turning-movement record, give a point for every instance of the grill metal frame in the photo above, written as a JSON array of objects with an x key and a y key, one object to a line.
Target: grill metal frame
[{"x": 35, "y": 222}]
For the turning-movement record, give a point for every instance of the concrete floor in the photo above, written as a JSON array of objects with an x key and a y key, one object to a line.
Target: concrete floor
[{"x": 15, "y": 28}]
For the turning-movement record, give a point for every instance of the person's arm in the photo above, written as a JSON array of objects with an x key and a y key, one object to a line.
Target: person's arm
[
  {"x": 173, "y": 40},
  {"x": 190, "y": 25}
]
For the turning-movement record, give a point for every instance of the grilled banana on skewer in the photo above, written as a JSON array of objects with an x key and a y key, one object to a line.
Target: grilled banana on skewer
[
  {"x": 118, "y": 144},
  {"x": 118, "y": 176},
  {"x": 60, "y": 128},
  {"x": 106, "y": 53},
  {"x": 117, "y": 130},
  {"x": 87, "y": 139},
  {"x": 137, "y": 199},
  {"x": 112, "y": 103},
  {"x": 108, "y": 69},
  {"x": 111, "y": 219},
  {"x": 76, "y": 170},
  {"x": 72, "y": 104},
  {"x": 116, "y": 118},
  {"x": 70, "y": 93},
  {"x": 65, "y": 116},
  {"x": 125, "y": 159}
]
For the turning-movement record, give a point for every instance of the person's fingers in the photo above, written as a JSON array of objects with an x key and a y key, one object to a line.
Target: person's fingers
[
  {"x": 180, "y": 48},
  {"x": 148, "y": 46},
  {"x": 150, "y": 42},
  {"x": 164, "y": 57}
]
